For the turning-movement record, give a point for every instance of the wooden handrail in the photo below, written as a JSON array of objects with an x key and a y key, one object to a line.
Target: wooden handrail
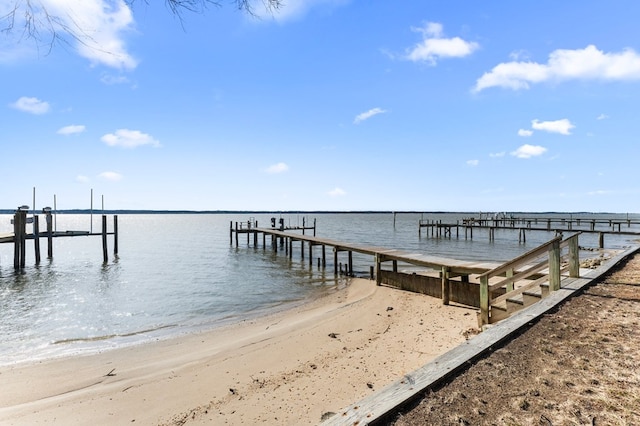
[
  {"x": 522, "y": 259},
  {"x": 552, "y": 249}
]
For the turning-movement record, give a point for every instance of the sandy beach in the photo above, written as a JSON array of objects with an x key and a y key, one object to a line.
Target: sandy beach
[{"x": 293, "y": 367}]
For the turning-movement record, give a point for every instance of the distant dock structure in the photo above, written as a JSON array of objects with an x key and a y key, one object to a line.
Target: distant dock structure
[
  {"x": 20, "y": 235},
  {"x": 559, "y": 225}
]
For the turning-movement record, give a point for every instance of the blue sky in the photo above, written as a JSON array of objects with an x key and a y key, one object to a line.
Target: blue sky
[{"x": 326, "y": 105}]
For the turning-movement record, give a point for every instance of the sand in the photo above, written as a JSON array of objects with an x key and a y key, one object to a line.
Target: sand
[{"x": 293, "y": 367}]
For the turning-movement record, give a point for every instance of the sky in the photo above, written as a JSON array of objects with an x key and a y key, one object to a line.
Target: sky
[{"x": 410, "y": 105}]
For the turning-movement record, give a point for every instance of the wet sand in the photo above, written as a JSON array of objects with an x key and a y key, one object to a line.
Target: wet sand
[{"x": 293, "y": 367}]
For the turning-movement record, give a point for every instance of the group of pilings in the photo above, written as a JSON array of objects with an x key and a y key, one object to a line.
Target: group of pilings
[
  {"x": 280, "y": 239},
  {"x": 445, "y": 230},
  {"x": 20, "y": 236}
]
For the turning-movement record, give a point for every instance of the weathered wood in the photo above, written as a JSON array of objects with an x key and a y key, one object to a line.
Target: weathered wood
[
  {"x": 115, "y": 234},
  {"x": 523, "y": 259},
  {"x": 49, "y": 221},
  {"x": 484, "y": 300},
  {"x": 36, "y": 238},
  {"x": 554, "y": 266},
  {"x": 105, "y": 255},
  {"x": 16, "y": 240},
  {"x": 445, "y": 285}
]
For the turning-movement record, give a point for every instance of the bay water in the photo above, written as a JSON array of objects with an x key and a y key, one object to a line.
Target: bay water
[{"x": 181, "y": 273}]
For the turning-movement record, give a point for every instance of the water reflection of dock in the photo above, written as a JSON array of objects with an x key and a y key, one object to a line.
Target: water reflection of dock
[{"x": 20, "y": 236}]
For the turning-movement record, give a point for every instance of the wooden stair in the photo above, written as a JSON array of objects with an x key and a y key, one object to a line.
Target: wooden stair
[{"x": 503, "y": 307}]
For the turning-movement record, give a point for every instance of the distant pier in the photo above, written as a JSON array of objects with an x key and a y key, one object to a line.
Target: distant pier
[
  {"x": 523, "y": 225},
  {"x": 20, "y": 236}
]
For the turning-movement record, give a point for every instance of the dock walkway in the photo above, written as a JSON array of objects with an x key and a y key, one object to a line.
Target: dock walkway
[{"x": 380, "y": 254}]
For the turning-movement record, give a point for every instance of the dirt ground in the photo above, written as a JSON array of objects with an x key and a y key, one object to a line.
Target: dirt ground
[{"x": 577, "y": 365}]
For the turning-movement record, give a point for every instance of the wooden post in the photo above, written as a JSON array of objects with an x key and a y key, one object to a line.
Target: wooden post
[
  {"x": 601, "y": 239},
  {"x": 554, "y": 266},
  {"x": 445, "y": 285},
  {"x": 302, "y": 247},
  {"x": 231, "y": 232},
  {"x": 16, "y": 240},
  {"x": 23, "y": 238},
  {"x": 335, "y": 260},
  {"x": 115, "y": 234},
  {"x": 236, "y": 234},
  {"x": 105, "y": 256},
  {"x": 290, "y": 248},
  {"x": 484, "y": 300},
  {"x": 350, "y": 270},
  {"x": 324, "y": 256},
  {"x": 36, "y": 237},
  {"x": 314, "y": 226},
  {"x": 395, "y": 265},
  {"x": 310, "y": 253},
  {"x": 371, "y": 274},
  {"x": 378, "y": 269},
  {"x": 49, "y": 234},
  {"x": 509, "y": 274},
  {"x": 574, "y": 257}
]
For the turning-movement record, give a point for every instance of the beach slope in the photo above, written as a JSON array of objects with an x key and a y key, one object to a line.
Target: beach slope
[{"x": 294, "y": 367}]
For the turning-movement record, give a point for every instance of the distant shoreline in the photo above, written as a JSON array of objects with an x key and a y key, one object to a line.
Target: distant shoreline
[{"x": 133, "y": 211}]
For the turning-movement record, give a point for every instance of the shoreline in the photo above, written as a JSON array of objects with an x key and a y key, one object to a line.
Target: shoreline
[{"x": 296, "y": 365}]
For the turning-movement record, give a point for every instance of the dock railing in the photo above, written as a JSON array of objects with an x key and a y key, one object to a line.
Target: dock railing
[{"x": 541, "y": 276}]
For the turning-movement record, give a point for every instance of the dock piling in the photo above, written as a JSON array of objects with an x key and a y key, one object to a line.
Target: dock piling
[{"x": 105, "y": 255}]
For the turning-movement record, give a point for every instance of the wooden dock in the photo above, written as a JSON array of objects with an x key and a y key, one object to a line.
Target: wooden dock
[
  {"x": 20, "y": 236},
  {"x": 448, "y": 279},
  {"x": 523, "y": 225}
]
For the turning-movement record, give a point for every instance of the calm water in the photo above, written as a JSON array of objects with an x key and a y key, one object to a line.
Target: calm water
[{"x": 177, "y": 273}]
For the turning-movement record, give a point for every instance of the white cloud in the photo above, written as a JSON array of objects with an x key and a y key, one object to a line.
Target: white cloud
[
  {"x": 497, "y": 154},
  {"x": 368, "y": 114},
  {"x": 434, "y": 46},
  {"x": 31, "y": 105},
  {"x": 94, "y": 28},
  {"x": 525, "y": 133},
  {"x": 337, "y": 192},
  {"x": 70, "y": 130},
  {"x": 564, "y": 64},
  {"x": 126, "y": 138},
  {"x": 602, "y": 117},
  {"x": 563, "y": 126},
  {"x": 528, "y": 151},
  {"x": 277, "y": 168},
  {"x": 473, "y": 162},
  {"x": 111, "y": 176},
  {"x": 82, "y": 179}
]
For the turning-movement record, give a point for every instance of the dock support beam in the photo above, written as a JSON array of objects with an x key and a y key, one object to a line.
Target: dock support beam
[
  {"x": 36, "y": 238},
  {"x": 49, "y": 221},
  {"x": 445, "y": 285},
  {"x": 115, "y": 235},
  {"x": 105, "y": 256}
]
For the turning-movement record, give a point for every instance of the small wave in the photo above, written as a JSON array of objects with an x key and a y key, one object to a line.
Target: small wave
[{"x": 110, "y": 336}]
